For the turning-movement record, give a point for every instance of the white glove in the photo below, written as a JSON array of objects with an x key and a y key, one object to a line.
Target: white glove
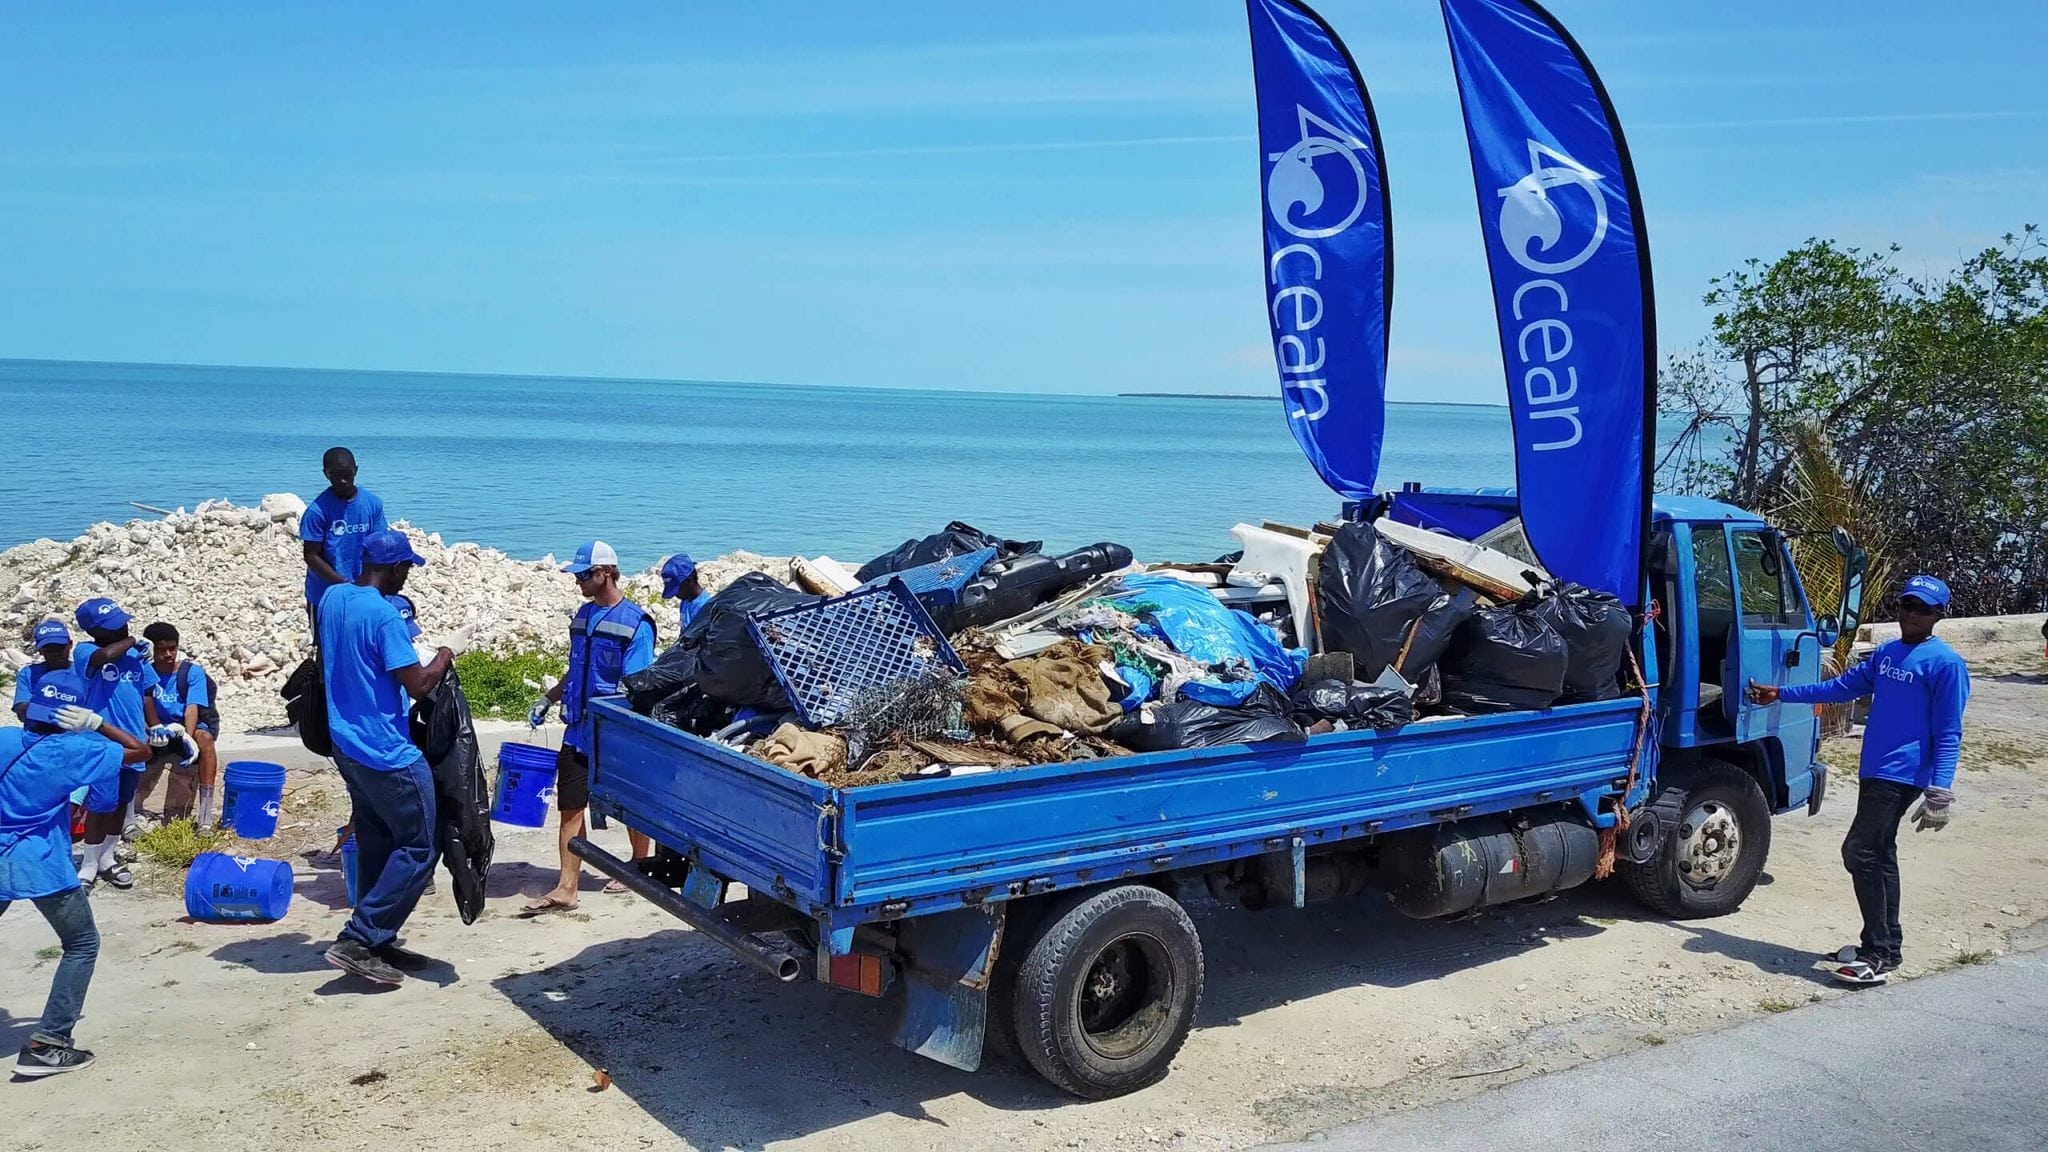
[
  {"x": 160, "y": 736},
  {"x": 1931, "y": 814},
  {"x": 72, "y": 718},
  {"x": 539, "y": 714},
  {"x": 190, "y": 745},
  {"x": 460, "y": 640}
]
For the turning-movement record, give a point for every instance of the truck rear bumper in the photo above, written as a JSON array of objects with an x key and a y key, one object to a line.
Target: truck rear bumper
[{"x": 769, "y": 957}]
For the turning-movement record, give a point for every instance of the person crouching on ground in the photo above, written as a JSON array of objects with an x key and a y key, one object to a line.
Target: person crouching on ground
[
  {"x": 370, "y": 668},
  {"x": 52, "y": 641},
  {"x": 184, "y": 697},
  {"x": 1918, "y": 687},
  {"x": 55, "y": 753},
  {"x": 611, "y": 638},
  {"x": 118, "y": 682}
]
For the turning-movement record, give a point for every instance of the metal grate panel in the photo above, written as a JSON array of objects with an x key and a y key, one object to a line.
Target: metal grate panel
[{"x": 827, "y": 655}]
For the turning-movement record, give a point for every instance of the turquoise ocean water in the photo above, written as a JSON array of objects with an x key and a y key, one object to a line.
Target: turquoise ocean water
[{"x": 533, "y": 465}]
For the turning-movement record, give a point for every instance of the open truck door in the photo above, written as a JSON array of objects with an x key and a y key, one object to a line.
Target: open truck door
[{"x": 1772, "y": 639}]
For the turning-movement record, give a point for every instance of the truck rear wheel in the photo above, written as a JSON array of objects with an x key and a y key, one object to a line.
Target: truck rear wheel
[
  {"x": 1105, "y": 996},
  {"x": 1714, "y": 855}
]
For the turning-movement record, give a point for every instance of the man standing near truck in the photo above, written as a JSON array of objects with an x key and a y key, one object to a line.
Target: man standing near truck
[
  {"x": 1918, "y": 687},
  {"x": 369, "y": 663},
  {"x": 610, "y": 638}
]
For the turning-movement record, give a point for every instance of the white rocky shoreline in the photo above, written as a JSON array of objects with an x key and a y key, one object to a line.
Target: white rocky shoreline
[{"x": 231, "y": 580}]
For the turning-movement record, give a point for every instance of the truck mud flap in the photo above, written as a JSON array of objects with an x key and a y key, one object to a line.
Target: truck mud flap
[{"x": 948, "y": 960}]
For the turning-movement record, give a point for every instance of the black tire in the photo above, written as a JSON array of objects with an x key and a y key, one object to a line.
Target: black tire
[
  {"x": 1721, "y": 793},
  {"x": 1105, "y": 996}
]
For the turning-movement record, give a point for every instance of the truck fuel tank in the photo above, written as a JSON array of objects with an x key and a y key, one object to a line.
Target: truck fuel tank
[{"x": 1448, "y": 869}]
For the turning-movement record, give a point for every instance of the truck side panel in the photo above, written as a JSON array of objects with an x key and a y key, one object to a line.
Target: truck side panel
[{"x": 1001, "y": 833}]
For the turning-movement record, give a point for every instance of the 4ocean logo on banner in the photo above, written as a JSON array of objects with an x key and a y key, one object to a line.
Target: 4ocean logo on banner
[
  {"x": 1532, "y": 229},
  {"x": 1296, "y": 199}
]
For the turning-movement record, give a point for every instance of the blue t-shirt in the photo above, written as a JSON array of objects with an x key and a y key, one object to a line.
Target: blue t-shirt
[
  {"x": 186, "y": 685},
  {"x": 639, "y": 654},
  {"x": 362, "y": 642},
  {"x": 1917, "y": 693},
  {"x": 691, "y": 608},
  {"x": 35, "y": 805},
  {"x": 339, "y": 528},
  {"x": 25, "y": 680},
  {"x": 117, "y": 689}
]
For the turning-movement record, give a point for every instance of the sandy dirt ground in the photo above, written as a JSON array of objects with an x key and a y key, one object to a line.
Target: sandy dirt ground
[{"x": 242, "y": 1038}]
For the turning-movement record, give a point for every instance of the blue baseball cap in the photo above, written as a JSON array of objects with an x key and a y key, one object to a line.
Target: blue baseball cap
[
  {"x": 591, "y": 555},
  {"x": 101, "y": 614},
  {"x": 676, "y": 572},
  {"x": 57, "y": 690},
  {"x": 390, "y": 547},
  {"x": 1927, "y": 590},
  {"x": 51, "y": 633}
]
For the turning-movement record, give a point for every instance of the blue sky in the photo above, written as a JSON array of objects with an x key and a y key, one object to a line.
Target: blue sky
[{"x": 1060, "y": 196}]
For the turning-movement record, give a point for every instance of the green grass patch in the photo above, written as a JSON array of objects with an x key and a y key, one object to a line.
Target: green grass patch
[
  {"x": 1984, "y": 755},
  {"x": 178, "y": 843},
  {"x": 503, "y": 685},
  {"x": 50, "y": 953},
  {"x": 1971, "y": 956},
  {"x": 1655, "y": 1041},
  {"x": 1774, "y": 1005}
]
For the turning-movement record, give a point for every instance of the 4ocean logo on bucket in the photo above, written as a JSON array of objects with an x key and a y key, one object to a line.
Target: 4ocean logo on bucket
[{"x": 1328, "y": 228}]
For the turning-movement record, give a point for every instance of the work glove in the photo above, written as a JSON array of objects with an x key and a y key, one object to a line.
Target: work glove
[
  {"x": 178, "y": 738},
  {"x": 160, "y": 736},
  {"x": 1931, "y": 814},
  {"x": 539, "y": 715},
  {"x": 72, "y": 718}
]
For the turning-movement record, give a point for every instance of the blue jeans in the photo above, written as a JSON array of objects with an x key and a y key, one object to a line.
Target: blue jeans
[
  {"x": 70, "y": 914},
  {"x": 395, "y": 845}
]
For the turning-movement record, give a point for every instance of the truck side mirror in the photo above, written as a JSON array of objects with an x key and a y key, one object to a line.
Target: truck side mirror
[
  {"x": 1830, "y": 631},
  {"x": 1855, "y": 561}
]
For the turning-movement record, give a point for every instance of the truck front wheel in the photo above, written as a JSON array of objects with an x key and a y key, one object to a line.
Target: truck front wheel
[
  {"x": 1714, "y": 855},
  {"x": 1106, "y": 995}
]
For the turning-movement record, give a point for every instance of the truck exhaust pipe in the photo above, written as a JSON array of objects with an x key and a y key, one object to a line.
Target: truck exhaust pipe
[{"x": 770, "y": 958}]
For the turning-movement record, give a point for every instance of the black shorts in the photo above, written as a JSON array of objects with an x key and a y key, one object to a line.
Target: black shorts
[{"x": 572, "y": 780}]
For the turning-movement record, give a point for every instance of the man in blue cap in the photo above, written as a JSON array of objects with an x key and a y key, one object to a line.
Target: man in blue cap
[
  {"x": 334, "y": 526},
  {"x": 42, "y": 763},
  {"x": 118, "y": 684},
  {"x": 610, "y": 638},
  {"x": 370, "y": 666},
  {"x": 1918, "y": 687},
  {"x": 52, "y": 642},
  {"x": 679, "y": 583}
]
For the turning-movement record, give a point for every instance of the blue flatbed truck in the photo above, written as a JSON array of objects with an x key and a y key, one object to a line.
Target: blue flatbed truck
[{"x": 1037, "y": 908}]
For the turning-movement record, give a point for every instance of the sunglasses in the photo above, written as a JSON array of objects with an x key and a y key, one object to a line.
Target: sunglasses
[
  {"x": 585, "y": 575},
  {"x": 1917, "y": 607}
]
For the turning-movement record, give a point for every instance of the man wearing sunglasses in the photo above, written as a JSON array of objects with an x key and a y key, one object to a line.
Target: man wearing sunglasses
[
  {"x": 1918, "y": 687},
  {"x": 611, "y": 638}
]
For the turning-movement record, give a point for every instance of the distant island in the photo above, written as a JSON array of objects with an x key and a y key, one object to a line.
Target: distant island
[{"x": 1276, "y": 396}]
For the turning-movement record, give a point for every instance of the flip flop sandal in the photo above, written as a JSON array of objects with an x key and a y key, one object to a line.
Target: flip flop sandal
[
  {"x": 1859, "y": 973},
  {"x": 119, "y": 877},
  {"x": 545, "y": 905},
  {"x": 614, "y": 888}
]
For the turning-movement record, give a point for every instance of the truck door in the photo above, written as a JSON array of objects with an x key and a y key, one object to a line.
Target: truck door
[{"x": 1773, "y": 642}]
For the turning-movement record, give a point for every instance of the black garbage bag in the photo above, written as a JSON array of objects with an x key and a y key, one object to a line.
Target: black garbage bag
[
  {"x": 305, "y": 705},
  {"x": 1355, "y": 705},
  {"x": 1014, "y": 586},
  {"x": 1261, "y": 719},
  {"x": 446, "y": 735},
  {"x": 1595, "y": 628},
  {"x": 1370, "y": 593},
  {"x": 671, "y": 672},
  {"x": 1430, "y": 634},
  {"x": 730, "y": 666},
  {"x": 692, "y": 711},
  {"x": 956, "y": 539},
  {"x": 1505, "y": 659}
]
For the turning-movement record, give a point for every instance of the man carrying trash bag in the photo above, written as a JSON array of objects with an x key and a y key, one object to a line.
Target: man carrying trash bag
[
  {"x": 370, "y": 666},
  {"x": 610, "y": 638},
  {"x": 62, "y": 746}
]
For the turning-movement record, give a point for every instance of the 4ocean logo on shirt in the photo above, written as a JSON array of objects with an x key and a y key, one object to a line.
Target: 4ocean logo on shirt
[
  {"x": 344, "y": 528},
  {"x": 1891, "y": 671}
]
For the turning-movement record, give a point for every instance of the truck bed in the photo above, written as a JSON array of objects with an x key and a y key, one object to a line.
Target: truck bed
[{"x": 849, "y": 856}]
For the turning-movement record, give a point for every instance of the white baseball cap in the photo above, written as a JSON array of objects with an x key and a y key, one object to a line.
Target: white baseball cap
[{"x": 591, "y": 555}]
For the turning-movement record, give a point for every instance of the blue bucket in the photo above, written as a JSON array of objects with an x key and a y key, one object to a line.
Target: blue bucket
[
  {"x": 233, "y": 889},
  {"x": 251, "y": 798},
  {"x": 526, "y": 785},
  {"x": 348, "y": 869}
]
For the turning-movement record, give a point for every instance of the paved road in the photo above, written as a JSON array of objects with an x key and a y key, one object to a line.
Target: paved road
[{"x": 1955, "y": 1061}]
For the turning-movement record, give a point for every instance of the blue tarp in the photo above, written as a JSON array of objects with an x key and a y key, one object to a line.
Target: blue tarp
[{"x": 1205, "y": 630}]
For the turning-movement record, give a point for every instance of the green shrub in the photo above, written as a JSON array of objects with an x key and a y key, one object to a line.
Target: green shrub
[
  {"x": 178, "y": 843},
  {"x": 503, "y": 685}
]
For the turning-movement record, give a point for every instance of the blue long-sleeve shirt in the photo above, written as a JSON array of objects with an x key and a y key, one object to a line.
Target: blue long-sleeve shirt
[{"x": 1917, "y": 695}]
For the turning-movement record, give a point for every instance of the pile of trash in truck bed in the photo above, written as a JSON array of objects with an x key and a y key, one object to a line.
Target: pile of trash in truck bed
[{"x": 962, "y": 652}]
